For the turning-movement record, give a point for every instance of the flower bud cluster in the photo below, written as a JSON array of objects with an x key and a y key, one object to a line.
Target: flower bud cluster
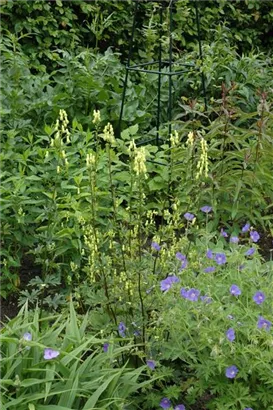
[
  {"x": 174, "y": 138},
  {"x": 108, "y": 134},
  {"x": 132, "y": 148},
  {"x": 96, "y": 117},
  {"x": 61, "y": 130},
  {"x": 90, "y": 160},
  {"x": 190, "y": 140},
  {"x": 202, "y": 165},
  {"x": 64, "y": 125},
  {"x": 140, "y": 162},
  {"x": 90, "y": 242}
]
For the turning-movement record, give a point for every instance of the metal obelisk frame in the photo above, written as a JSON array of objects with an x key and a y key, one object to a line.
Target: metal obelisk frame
[{"x": 143, "y": 67}]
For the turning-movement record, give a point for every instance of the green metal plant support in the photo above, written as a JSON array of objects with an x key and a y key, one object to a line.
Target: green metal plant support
[{"x": 160, "y": 63}]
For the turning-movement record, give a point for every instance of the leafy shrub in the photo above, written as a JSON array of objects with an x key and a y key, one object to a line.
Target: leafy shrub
[
  {"x": 30, "y": 100},
  {"x": 49, "y": 26},
  {"x": 246, "y": 74},
  {"x": 99, "y": 25}
]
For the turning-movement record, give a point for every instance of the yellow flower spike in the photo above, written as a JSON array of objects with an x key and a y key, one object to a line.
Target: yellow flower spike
[
  {"x": 202, "y": 165},
  {"x": 131, "y": 148},
  {"x": 190, "y": 139},
  {"x": 90, "y": 160},
  {"x": 140, "y": 162},
  {"x": 174, "y": 139},
  {"x": 108, "y": 134},
  {"x": 96, "y": 117}
]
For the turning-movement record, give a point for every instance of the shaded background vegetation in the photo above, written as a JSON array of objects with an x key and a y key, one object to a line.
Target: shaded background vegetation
[{"x": 100, "y": 24}]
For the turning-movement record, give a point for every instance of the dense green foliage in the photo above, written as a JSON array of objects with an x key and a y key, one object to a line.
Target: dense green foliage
[
  {"x": 68, "y": 25},
  {"x": 117, "y": 224}
]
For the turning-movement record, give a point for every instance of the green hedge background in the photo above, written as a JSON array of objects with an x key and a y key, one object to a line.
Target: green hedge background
[{"x": 69, "y": 25}]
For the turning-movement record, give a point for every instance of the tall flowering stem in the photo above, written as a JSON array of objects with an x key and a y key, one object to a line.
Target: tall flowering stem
[
  {"x": 109, "y": 137},
  {"x": 91, "y": 162},
  {"x": 114, "y": 202},
  {"x": 174, "y": 142},
  {"x": 141, "y": 174},
  {"x": 190, "y": 145}
]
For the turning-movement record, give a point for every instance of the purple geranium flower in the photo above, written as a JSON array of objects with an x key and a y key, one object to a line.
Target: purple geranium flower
[
  {"x": 165, "y": 403},
  {"x": 151, "y": 364},
  {"x": 209, "y": 269},
  {"x": 180, "y": 407},
  {"x": 231, "y": 372},
  {"x": 259, "y": 297},
  {"x": 167, "y": 283},
  {"x": 263, "y": 323},
  {"x": 180, "y": 256},
  {"x": 230, "y": 334},
  {"x": 193, "y": 294},
  {"x": 50, "y": 354},
  {"x": 184, "y": 264},
  {"x": 248, "y": 408},
  {"x": 189, "y": 216},
  {"x": 206, "y": 299},
  {"x": 209, "y": 254},
  {"x": 245, "y": 228},
  {"x": 235, "y": 290},
  {"x": 250, "y": 251},
  {"x": 223, "y": 233},
  {"x": 121, "y": 329},
  {"x": 183, "y": 259},
  {"x": 206, "y": 209},
  {"x": 254, "y": 235},
  {"x": 105, "y": 347},
  {"x": 220, "y": 258},
  {"x": 155, "y": 246},
  {"x": 234, "y": 239},
  {"x": 184, "y": 293}
]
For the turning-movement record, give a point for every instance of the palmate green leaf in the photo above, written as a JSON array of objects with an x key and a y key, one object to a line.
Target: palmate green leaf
[{"x": 129, "y": 132}]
